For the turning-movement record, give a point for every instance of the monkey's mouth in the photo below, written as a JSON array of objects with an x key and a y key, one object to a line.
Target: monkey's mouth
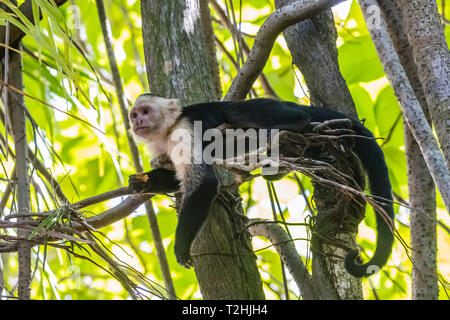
[{"x": 143, "y": 130}]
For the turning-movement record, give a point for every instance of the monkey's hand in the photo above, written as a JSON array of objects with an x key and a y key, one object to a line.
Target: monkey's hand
[
  {"x": 182, "y": 253},
  {"x": 138, "y": 183},
  {"x": 159, "y": 180},
  {"x": 163, "y": 161}
]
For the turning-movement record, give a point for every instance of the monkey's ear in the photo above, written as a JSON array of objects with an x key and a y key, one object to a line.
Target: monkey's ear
[{"x": 173, "y": 105}]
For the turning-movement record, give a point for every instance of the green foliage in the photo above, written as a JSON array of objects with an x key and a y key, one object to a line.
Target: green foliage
[{"x": 354, "y": 59}]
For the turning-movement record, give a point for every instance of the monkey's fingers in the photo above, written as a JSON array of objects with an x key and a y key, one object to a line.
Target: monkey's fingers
[
  {"x": 162, "y": 161},
  {"x": 187, "y": 264},
  {"x": 183, "y": 257},
  {"x": 138, "y": 183}
]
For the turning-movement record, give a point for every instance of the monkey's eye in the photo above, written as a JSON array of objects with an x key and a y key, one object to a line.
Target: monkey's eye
[
  {"x": 134, "y": 115},
  {"x": 146, "y": 111}
]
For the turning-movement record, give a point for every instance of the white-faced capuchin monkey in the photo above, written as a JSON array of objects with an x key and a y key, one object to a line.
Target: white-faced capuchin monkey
[{"x": 159, "y": 122}]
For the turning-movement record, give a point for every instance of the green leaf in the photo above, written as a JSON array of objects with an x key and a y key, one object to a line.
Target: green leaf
[
  {"x": 359, "y": 62},
  {"x": 364, "y": 105},
  {"x": 387, "y": 111}
]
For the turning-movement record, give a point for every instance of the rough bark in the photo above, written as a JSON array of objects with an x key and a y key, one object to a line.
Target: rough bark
[
  {"x": 177, "y": 66},
  {"x": 313, "y": 43},
  {"x": 422, "y": 194},
  {"x": 422, "y": 200},
  {"x": 411, "y": 108},
  {"x": 172, "y": 57},
  {"x": 16, "y": 111},
  {"x": 431, "y": 54}
]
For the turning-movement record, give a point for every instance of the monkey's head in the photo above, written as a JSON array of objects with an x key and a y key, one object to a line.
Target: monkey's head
[{"x": 152, "y": 115}]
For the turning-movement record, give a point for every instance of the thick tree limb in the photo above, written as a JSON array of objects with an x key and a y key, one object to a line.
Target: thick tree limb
[
  {"x": 431, "y": 54},
  {"x": 16, "y": 106},
  {"x": 224, "y": 21},
  {"x": 287, "y": 251},
  {"x": 267, "y": 34},
  {"x": 122, "y": 210},
  {"x": 422, "y": 194},
  {"x": 411, "y": 108}
]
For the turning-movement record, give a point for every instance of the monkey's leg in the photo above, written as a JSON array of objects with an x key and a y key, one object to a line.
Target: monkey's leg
[
  {"x": 201, "y": 186},
  {"x": 156, "y": 181},
  {"x": 265, "y": 114}
]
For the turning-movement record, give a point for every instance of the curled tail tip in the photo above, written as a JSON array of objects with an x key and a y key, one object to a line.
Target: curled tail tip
[{"x": 355, "y": 268}]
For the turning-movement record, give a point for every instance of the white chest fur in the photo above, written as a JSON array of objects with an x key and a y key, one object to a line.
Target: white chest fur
[{"x": 177, "y": 144}]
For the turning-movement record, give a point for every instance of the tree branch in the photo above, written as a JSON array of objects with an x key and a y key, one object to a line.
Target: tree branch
[
  {"x": 122, "y": 210},
  {"x": 422, "y": 194},
  {"x": 267, "y": 34},
  {"x": 16, "y": 106},
  {"x": 431, "y": 54},
  {"x": 101, "y": 197},
  {"x": 224, "y": 21},
  {"x": 287, "y": 251}
]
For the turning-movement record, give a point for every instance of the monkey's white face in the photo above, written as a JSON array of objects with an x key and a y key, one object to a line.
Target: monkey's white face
[
  {"x": 144, "y": 119},
  {"x": 152, "y": 115}
]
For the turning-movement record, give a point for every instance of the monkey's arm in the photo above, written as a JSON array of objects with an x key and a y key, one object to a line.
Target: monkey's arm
[
  {"x": 158, "y": 180},
  {"x": 266, "y": 113}
]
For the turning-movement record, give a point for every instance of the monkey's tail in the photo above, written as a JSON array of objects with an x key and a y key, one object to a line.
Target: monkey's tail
[{"x": 373, "y": 162}]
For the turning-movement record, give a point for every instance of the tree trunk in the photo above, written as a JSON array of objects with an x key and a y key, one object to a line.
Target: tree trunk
[
  {"x": 16, "y": 110},
  {"x": 412, "y": 110},
  {"x": 313, "y": 43},
  {"x": 422, "y": 194},
  {"x": 178, "y": 66},
  {"x": 2, "y": 281},
  {"x": 15, "y": 123},
  {"x": 430, "y": 51}
]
